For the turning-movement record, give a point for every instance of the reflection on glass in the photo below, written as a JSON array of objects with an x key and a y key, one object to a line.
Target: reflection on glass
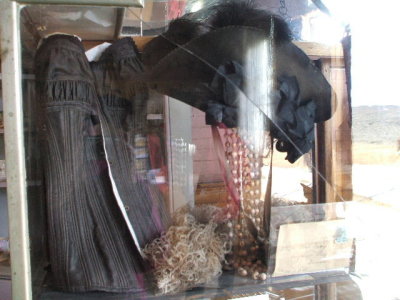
[{"x": 354, "y": 161}]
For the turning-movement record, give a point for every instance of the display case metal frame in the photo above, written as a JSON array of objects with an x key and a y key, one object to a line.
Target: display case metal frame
[
  {"x": 14, "y": 150},
  {"x": 14, "y": 135}
]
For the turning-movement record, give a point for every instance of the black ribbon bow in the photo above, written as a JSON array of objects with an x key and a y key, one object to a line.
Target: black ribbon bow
[
  {"x": 293, "y": 119},
  {"x": 293, "y": 124}
]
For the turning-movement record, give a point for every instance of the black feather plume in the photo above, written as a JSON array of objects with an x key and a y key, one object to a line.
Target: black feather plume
[{"x": 232, "y": 13}]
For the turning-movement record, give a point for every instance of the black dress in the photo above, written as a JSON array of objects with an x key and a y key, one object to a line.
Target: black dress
[{"x": 101, "y": 207}]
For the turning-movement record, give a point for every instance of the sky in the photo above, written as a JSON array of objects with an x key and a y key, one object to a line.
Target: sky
[
  {"x": 375, "y": 46},
  {"x": 375, "y": 49}
]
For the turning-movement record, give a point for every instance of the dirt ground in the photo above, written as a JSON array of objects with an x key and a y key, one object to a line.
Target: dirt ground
[
  {"x": 376, "y": 154},
  {"x": 375, "y": 174}
]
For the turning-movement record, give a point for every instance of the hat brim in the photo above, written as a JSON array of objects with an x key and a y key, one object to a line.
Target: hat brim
[{"x": 186, "y": 72}]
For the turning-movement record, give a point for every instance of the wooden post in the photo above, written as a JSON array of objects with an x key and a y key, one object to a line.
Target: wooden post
[{"x": 337, "y": 136}]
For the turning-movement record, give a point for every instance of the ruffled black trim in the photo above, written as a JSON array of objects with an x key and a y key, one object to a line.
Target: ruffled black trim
[
  {"x": 122, "y": 48},
  {"x": 66, "y": 90},
  {"x": 294, "y": 119},
  {"x": 227, "y": 86},
  {"x": 113, "y": 101}
]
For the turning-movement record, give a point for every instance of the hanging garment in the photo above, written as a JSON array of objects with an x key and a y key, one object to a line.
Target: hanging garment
[
  {"x": 122, "y": 112},
  {"x": 101, "y": 208}
]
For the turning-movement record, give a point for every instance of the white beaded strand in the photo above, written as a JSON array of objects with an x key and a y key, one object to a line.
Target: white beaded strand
[{"x": 245, "y": 165}]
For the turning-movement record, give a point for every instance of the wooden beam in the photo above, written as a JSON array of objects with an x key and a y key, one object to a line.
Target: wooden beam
[
  {"x": 333, "y": 151},
  {"x": 320, "y": 50}
]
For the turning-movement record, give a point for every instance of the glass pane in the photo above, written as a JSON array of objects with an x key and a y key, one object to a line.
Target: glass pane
[{"x": 205, "y": 149}]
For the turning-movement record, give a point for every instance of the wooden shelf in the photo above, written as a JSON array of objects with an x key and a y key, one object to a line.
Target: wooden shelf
[{"x": 5, "y": 270}]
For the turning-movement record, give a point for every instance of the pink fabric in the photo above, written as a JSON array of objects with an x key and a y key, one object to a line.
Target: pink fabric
[
  {"x": 226, "y": 173},
  {"x": 176, "y": 9}
]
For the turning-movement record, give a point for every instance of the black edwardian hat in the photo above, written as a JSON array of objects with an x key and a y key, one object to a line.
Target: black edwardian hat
[{"x": 205, "y": 64}]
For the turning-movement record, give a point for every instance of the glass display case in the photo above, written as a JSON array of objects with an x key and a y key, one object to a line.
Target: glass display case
[{"x": 196, "y": 150}]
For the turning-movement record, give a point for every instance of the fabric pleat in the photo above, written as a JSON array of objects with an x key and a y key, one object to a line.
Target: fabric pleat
[
  {"x": 90, "y": 245},
  {"x": 123, "y": 124}
]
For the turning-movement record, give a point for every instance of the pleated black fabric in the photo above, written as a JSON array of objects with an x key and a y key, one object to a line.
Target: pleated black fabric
[
  {"x": 90, "y": 245},
  {"x": 123, "y": 126}
]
